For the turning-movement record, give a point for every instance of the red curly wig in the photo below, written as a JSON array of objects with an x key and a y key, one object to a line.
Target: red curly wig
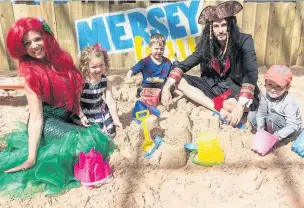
[{"x": 55, "y": 79}]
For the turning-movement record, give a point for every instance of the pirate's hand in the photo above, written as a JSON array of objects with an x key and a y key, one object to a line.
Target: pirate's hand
[
  {"x": 235, "y": 116},
  {"x": 166, "y": 97}
]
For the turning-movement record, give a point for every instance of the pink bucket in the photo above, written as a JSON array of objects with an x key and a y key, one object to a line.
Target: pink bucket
[
  {"x": 263, "y": 142},
  {"x": 91, "y": 170}
]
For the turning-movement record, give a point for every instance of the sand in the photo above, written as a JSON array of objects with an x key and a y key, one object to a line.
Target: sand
[{"x": 169, "y": 178}]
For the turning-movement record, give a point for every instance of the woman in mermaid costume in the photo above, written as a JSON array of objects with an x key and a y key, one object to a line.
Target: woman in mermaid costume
[{"x": 39, "y": 156}]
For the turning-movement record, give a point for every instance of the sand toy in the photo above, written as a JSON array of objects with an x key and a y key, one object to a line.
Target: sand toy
[
  {"x": 190, "y": 147},
  {"x": 209, "y": 151},
  {"x": 158, "y": 141},
  {"x": 142, "y": 116},
  {"x": 91, "y": 170},
  {"x": 298, "y": 145},
  {"x": 139, "y": 106},
  {"x": 263, "y": 142},
  {"x": 151, "y": 96}
]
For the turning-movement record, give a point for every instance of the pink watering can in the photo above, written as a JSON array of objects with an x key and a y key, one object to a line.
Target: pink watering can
[
  {"x": 263, "y": 142},
  {"x": 91, "y": 170}
]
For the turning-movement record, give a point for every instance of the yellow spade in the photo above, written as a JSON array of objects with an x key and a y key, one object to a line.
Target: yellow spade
[{"x": 142, "y": 116}]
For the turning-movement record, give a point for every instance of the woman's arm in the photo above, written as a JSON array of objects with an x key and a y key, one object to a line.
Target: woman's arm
[
  {"x": 112, "y": 104},
  {"x": 35, "y": 127}
]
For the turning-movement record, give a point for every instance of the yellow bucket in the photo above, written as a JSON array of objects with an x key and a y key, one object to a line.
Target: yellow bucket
[{"x": 209, "y": 149}]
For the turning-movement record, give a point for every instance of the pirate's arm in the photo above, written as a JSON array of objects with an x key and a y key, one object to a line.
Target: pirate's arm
[
  {"x": 250, "y": 73},
  {"x": 179, "y": 68}
]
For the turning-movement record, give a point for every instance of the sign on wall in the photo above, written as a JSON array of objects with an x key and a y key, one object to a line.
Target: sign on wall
[{"x": 130, "y": 30}]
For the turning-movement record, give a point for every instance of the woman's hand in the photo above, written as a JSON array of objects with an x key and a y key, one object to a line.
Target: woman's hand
[
  {"x": 235, "y": 116},
  {"x": 24, "y": 166},
  {"x": 84, "y": 121},
  {"x": 166, "y": 97}
]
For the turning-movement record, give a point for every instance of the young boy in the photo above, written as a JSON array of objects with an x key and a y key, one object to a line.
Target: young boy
[
  {"x": 278, "y": 111},
  {"x": 154, "y": 68}
]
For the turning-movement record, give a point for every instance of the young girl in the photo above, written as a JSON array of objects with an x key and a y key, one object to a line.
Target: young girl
[{"x": 97, "y": 103}]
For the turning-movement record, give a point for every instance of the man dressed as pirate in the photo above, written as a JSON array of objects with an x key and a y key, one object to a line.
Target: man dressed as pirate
[{"x": 227, "y": 58}]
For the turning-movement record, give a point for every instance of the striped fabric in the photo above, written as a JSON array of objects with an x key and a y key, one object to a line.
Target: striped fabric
[{"x": 95, "y": 108}]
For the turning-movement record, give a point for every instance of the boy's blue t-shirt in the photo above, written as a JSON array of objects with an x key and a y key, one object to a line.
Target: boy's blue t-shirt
[{"x": 152, "y": 73}]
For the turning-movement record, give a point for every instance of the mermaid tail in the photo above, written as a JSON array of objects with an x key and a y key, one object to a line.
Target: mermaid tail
[{"x": 59, "y": 149}]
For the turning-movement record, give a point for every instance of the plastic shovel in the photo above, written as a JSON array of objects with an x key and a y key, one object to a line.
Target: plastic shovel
[
  {"x": 142, "y": 116},
  {"x": 191, "y": 147},
  {"x": 158, "y": 142},
  {"x": 140, "y": 106}
]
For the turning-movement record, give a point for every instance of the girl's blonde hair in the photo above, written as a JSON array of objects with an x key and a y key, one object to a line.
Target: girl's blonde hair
[{"x": 90, "y": 52}]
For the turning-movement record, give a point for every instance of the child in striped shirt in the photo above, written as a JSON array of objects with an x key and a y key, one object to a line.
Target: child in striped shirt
[{"x": 97, "y": 103}]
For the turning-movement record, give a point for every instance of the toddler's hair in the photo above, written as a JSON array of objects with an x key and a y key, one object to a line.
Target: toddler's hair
[
  {"x": 157, "y": 38},
  {"x": 90, "y": 52}
]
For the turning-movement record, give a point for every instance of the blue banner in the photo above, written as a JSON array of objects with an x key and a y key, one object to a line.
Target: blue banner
[{"x": 116, "y": 32}]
